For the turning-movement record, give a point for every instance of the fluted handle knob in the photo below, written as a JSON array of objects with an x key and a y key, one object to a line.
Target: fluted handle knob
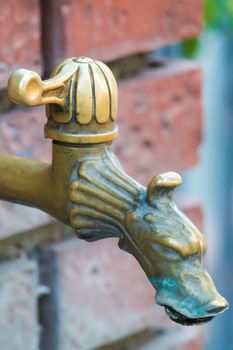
[{"x": 81, "y": 99}]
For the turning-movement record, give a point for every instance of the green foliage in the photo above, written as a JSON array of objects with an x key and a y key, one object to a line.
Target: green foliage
[
  {"x": 217, "y": 14},
  {"x": 213, "y": 12},
  {"x": 190, "y": 47}
]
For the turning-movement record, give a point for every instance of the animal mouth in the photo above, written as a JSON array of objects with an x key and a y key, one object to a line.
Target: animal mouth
[{"x": 184, "y": 320}]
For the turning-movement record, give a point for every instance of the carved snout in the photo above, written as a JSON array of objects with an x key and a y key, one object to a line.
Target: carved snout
[{"x": 190, "y": 297}]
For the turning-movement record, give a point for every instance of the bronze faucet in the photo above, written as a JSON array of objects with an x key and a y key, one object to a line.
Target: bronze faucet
[{"x": 85, "y": 187}]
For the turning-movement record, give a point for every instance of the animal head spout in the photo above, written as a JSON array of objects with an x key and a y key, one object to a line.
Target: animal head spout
[{"x": 171, "y": 249}]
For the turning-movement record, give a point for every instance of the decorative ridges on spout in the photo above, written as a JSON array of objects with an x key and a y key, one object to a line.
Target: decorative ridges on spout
[{"x": 100, "y": 198}]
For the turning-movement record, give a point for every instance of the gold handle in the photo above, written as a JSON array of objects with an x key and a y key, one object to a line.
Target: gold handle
[
  {"x": 26, "y": 87},
  {"x": 81, "y": 99}
]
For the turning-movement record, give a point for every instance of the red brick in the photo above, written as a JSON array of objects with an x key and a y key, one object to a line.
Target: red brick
[
  {"x": 19, "y": 36},
  {"x": 180, "y": 338},
  {"x": 177, "y": 338},
  {"x": 193, "y": 345},
  {"x": 108, "y": 30},
  {"x": 21, "y": 134},
  {"x": 16, "y": 218},
  {"x": 103, "y": 294},
  {"x": 160, "y": 120},
  {"x": 18, "y": 305}
]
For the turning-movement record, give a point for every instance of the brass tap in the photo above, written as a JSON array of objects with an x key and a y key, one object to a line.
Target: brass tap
[{"x": 85, "y": 187}]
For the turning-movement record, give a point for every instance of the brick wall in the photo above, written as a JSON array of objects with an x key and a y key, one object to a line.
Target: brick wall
[{"x": 57, "y": 293}]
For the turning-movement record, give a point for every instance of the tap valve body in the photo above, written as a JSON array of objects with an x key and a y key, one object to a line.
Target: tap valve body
[{"x": 85, "y": 187}]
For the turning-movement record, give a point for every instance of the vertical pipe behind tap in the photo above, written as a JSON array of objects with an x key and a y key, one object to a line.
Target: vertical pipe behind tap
[{"x": 52, "y": 34}]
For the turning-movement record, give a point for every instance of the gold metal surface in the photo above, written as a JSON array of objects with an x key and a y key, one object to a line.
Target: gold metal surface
[
  {"x": 85, "y": 187},
  {"x": 81, "y": 99}
]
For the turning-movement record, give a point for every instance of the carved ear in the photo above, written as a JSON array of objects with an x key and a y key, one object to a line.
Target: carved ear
[{"x": 162, "y": 186}]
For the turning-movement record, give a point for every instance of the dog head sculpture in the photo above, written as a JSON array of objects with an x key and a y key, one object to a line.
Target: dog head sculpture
[{"x": 174, "y": 250}]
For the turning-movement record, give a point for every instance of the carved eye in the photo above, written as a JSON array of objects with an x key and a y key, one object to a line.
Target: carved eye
[
  {"x": 150, "y": 218},
  {"x": 166, "y": 253}
]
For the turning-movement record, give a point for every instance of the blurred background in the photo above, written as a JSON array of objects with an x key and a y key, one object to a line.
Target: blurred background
[{"x": 173, "y": 64}]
